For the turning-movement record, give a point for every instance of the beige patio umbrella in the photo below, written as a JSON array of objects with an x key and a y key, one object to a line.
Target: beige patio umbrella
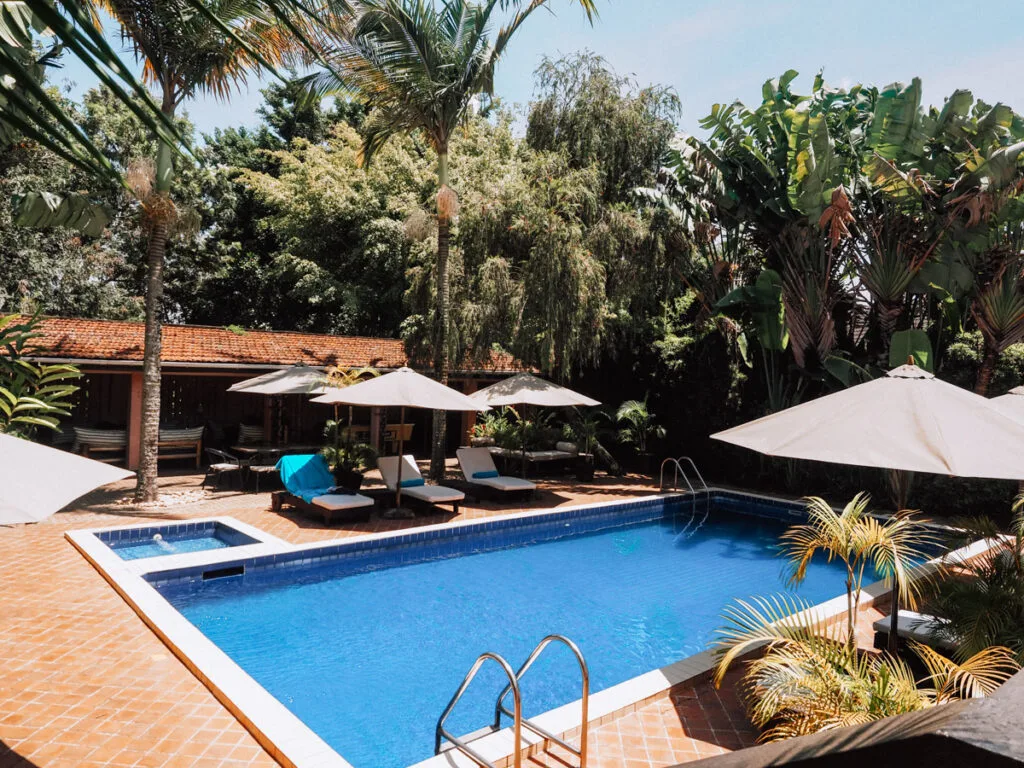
[
  {"x": 296, "y": 380},
  {"x": 1011, "y": 404},
  {"x": 36, "y": 481},
  {"x": 908, "y": 421},
  {"x": 402, "y": 389},
  {"x": 527, "y": 389}
]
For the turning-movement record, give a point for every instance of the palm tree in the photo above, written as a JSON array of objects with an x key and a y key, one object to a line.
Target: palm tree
[
  {"x": 808, "y": 679},
  {"x": 812, "y": 676},
  {"x": 860, "y": 541},
  {"x": 999, "y": 313},
  {"x": 417, "y": 65},
  {"x": 185, "y": 50},
  {"x": 982, "y": 599}
]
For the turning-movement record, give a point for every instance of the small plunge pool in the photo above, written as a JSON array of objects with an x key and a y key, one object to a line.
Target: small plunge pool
[{"x": 158, "y": 541}]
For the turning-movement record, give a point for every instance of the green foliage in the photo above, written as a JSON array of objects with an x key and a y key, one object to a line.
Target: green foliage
[
  {"x": 602, "y": 120},
  {"x": 637, "y": 425},
  {"x": 912, "y": 343},
  {"x": 811, "y": 675},
  {"x": 32, "y": 394}
]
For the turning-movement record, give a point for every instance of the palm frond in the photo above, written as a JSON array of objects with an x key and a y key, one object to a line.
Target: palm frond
[{"x": 976, "y": 677}]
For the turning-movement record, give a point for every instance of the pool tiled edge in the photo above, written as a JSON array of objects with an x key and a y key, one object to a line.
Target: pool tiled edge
[{"x": 280, "y": 732}]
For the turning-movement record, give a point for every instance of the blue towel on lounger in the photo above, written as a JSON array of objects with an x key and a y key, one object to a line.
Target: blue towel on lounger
[{"x": 306, "y": 475}]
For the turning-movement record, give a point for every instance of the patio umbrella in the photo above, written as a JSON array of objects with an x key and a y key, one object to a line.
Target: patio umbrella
[
  {"x": 297, "y": 380},
  {"x": 527, "y": 389},
  {"x": 402, "y": 389},
  {"x": 908, "y": 421},
  {"x": 36, "y": 480},
  {"x": 1011, "y": 404}
]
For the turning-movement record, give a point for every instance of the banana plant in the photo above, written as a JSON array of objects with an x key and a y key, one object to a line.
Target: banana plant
[{"x": 31, "y": 394}]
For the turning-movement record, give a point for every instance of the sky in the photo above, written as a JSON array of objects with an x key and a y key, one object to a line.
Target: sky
[{"x": 716, "y": 51}]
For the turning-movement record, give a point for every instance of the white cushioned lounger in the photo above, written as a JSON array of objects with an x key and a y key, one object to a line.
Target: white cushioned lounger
[
  {"x": 432, "y": 494},
  {"x": 916, "y": 626},
  {"x": 474, "y": 460},
  {"x": 338, "y": 501}
]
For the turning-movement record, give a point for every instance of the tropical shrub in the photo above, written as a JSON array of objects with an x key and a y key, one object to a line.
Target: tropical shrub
[
  {"x": 638, "y": 426},
  {"x": 983, "y": 598},
  {"x": 811, "y": 679},
  {"x": 32, "y": 395},
  {"x": 811, "y": 676}
]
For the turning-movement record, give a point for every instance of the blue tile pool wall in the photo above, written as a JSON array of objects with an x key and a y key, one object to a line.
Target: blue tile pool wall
[
  {"x": 226, "y": 533},
  {"x": 347, "y": 558}
]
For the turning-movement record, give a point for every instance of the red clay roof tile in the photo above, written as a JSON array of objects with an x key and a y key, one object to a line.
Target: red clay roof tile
[{"x": 123, "y": 341}]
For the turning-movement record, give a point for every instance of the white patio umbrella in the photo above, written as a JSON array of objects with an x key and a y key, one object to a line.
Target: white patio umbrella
[
  {"x": 907, "y": 421},
  {"x": 1011, "y": 404},
  {"x": 402, "y": 389},
  {"x": 297, "y": 380},
  {"x": 527, "y": 389},
  {"x": 36, "y": 480}
]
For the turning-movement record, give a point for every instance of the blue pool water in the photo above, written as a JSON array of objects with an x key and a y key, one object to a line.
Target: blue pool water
[
  {"x": 369, "y": 660},
  {"x": 173, "y": 540}
]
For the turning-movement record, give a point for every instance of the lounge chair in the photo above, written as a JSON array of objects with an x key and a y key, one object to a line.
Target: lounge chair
[
  {"x": 479, "y": 470},
  {"x": 913, "y": 626},
  {"x": 413, "y": 485},
  {"x": 309, "y": 485}
]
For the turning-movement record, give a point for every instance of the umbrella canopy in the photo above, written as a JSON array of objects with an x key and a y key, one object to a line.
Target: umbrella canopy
[
  {"x": 403, "y": 388},
  {"x": 1011, "y": 404},
  {"x": 526, "y": 389},
  {"x": 908, "y": 420},
  {"x": 297, "y": 380},
  {"x": 36, "y": 480}
]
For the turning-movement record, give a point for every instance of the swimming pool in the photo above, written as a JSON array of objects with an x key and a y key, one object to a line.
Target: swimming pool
[{"x": 366, "y": 644}]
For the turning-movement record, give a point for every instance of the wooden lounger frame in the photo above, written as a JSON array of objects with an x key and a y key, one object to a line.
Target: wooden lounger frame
[{"x": 353, "y": 514}]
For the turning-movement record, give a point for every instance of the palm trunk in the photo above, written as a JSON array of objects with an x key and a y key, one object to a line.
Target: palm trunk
[
  {"x": 441, "y": 362},
  {"x": 988, "y": 367},
  {"x": 147, "y": 488}
]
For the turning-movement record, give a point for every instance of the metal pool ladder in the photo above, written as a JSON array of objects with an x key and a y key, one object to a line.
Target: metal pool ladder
[
  {"x": 680, "y": 471},
  {"x": 516, "y": 713}
]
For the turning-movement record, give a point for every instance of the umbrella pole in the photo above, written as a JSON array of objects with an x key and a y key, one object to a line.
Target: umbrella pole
[
  {"x": 524, "y": 440},
  {"x": 900, "y": 485},
  {"x": 398, "y": 480}
]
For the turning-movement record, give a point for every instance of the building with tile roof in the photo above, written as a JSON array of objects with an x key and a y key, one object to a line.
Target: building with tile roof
[{"x": 199, "y": 364}]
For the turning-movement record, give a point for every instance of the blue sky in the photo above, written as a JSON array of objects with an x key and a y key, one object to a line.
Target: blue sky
[{"x": 719, "y": 50}]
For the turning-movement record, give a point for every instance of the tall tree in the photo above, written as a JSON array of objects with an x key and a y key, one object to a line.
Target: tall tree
[
  {"x": 185, "y": 50},
  {"x": 418, "y": 65}
]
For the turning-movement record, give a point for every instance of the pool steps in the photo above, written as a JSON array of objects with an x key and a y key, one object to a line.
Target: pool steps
[{"x": 462, "y": 744}]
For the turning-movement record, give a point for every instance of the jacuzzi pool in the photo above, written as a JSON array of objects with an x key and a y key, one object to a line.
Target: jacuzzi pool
[
  {"x": 366, "y": 643},
  {"x": 158, "y": 541}
]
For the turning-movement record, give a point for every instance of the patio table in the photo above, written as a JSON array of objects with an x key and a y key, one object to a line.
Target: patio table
[{"x": 253, "y": 451}]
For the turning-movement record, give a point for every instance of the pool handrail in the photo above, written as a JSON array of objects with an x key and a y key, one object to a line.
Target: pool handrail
[
  {"x": 692, "y": 463},
  {"x": 440, "y": 734},
  {"x": 500, "y": 708}
]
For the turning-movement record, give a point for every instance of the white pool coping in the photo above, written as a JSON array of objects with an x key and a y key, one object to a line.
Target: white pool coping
[{"x": 290, "y": 741}]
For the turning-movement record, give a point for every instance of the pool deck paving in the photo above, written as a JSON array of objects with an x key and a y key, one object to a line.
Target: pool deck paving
[{"x": 85, "y": 682}]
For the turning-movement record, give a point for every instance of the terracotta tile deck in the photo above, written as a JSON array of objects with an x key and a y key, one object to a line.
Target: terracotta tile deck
[{"x": 83, "y": 682}]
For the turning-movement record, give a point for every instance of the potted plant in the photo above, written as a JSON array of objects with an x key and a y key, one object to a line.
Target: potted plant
[
  {"x": 585, "y": 429},
  {"x": 638, "y": 428},
  {"x": 348, "y": 460}
]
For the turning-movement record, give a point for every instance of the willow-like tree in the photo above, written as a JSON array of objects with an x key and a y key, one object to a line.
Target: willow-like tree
[
  {"x": 185, "y": 50},
  {"x": 417, "y": 65}
]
